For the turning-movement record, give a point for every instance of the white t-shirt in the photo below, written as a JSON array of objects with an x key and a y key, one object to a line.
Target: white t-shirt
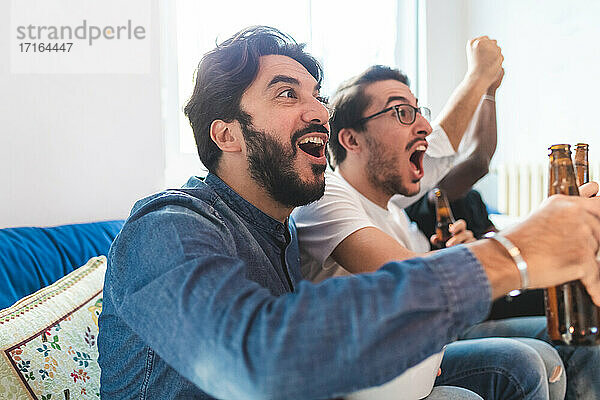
[{"x": 342, "y": 210}]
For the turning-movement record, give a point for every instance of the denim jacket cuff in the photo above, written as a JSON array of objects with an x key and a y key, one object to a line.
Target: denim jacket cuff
[{"x": 465, "y": 286}]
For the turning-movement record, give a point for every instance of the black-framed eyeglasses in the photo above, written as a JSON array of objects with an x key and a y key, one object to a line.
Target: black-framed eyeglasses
[{"x": 406, "y": 113}]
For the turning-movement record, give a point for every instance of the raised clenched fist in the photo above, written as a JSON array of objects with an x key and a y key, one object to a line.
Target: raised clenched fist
[{"x": 484, "y": 59}]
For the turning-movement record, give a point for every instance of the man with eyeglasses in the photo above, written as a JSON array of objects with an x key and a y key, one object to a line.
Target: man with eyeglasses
[
  {"x": 355, "y": 228},
  {"x": 390, "y": 158},
  {"x": 381, "y": 159}
]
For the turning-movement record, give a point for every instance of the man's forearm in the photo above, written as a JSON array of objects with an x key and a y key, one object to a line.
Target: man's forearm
[
  {"x": 465, "y": 174},
  {"x": 267, "y": 341},
  {"x": 460, "y": 108}
]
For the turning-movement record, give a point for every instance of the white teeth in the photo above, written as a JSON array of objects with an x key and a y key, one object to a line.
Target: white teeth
[
  {"x": 312, "y": 139},
  {"x": 421, "y": 148}
]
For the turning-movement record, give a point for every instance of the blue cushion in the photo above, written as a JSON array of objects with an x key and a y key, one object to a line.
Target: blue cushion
[{"x": 32, "y": 258}]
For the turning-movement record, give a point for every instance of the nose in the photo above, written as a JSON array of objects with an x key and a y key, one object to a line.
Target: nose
[
  {"x": 422, "y": 125},
  {"x": 316, "y": 112}
]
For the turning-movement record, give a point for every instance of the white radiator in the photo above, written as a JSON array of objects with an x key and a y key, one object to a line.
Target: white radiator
[{"x": 522, "y": 187}]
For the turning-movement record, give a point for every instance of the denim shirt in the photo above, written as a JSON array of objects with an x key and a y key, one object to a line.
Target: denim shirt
[{"x": 203, "y": 299}]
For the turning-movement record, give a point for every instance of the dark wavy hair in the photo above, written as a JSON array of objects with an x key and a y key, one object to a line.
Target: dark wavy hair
[
  {"x": 224, "y": 74},
  {"x": 350, "y": 102}
]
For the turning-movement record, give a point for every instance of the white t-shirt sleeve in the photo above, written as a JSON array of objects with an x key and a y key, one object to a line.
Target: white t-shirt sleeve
[
  {"x": 439, "y": 145},
  {"x": 323, "y": 225}
]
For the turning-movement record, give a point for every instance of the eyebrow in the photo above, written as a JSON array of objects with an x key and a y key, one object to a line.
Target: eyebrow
[
  {"x": 288, "y": 79},
  {"x": 403, "y": 99},
  {"x": 283, "y": 78}
]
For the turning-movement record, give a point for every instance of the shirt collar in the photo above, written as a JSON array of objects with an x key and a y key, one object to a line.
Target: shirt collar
[{"x": 242, "y": 207}]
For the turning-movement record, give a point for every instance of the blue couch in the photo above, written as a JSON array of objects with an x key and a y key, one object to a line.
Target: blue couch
[{"x": 32, "y": 258}]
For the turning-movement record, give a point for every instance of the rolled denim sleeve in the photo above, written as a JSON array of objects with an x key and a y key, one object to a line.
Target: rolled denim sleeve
[{"x": 178, "y": 269}]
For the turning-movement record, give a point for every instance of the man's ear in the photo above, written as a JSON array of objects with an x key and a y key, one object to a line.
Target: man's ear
[
  {"x": 224, "y": 135},
  {"x": 350, "y": 140}
]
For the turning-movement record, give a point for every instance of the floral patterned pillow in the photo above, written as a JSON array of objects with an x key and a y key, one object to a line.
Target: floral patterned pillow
[{"x": 48, "y": 345}]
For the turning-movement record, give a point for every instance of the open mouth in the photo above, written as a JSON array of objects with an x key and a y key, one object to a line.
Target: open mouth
[
  {"x": 313, "y": 146},
  {"x": 416, "y": 159}
]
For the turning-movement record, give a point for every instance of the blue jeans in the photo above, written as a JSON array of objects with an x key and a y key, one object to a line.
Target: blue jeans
[
  {"x": 581, "y": 362},
  {"x": 501, "y": 368}
]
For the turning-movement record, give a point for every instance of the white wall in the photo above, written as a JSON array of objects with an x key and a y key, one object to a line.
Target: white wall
[
  {"x": 549, "y": 93},
  {"x": 77, "y": 148},
  {"x": 445, "y": 49}
]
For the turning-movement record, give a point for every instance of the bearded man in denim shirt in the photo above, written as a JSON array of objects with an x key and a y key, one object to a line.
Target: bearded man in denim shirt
[{"x": 203, "y": 297}]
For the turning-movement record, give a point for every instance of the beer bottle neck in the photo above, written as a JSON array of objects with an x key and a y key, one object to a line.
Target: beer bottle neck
[{"x": 562, "y": 175}]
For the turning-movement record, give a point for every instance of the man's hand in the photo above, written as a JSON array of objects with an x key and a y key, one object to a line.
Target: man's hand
[
  {"x": 559, "y": 242},
  {"x": 484, "y": 60},
  {"x": 460, "y": 234}
]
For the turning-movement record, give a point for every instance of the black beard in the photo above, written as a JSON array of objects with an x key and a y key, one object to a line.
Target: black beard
[
  {"x": 271, "y": 166},
  {"x": 382, "y": 170}
]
